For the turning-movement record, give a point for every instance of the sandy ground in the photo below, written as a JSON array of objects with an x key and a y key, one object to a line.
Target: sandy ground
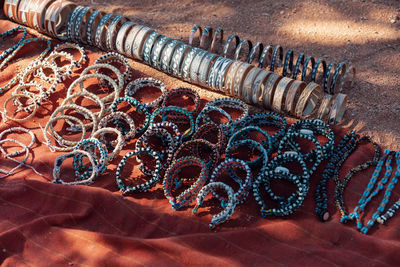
[{"x": 363, "y": 32}]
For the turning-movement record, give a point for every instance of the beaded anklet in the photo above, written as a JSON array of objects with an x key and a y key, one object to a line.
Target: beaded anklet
[
  {"x": 245, "y": 186},
  {"x": 171, "y": 178},
  {"x": 155, "y": 175},
  {"x": 229, "y": 209}
]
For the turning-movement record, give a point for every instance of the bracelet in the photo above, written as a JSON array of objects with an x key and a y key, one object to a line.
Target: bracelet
[
  {"x": 91, "y": 145},
  {"x": 101, "y": 29},
  {"x": 166, "y": 138},
  {"x": 20, "y": 42},
  {"x": 111, "y": 96},
  {"x": 250, "y": 146},
  {"x": 65, "y": 70},
  {"x": 137, "y": 48},
  {"x": 148, "y": 45},
  {"x": 213, "y": 73},
  {"x": 113, "y": 57},
  {"x": 289, "y": 142},
  {"x": 240, "y": 75},
  {"x": 91, "y": 25},
  {"x": 257, "y": 87},
  {"x": 116, "y": 118},
  {"x": 228, "y": 82},
  {"x": 21, "y": 11},
  {"x": 338, "y": 108},
  {"x": 130, "y": 38},
  {"x": 36, "y": 97},
  {"x": 248, "y": 83},
  {"x": 245, "y": 186},
  {"x": 244, "y": 133},
  {"x": 140, "y": 108},
  {"x": 195, "y": 66},
  {"x": 56, "y": 16},
  {"x": 112, "y": 85},
  {"x": 204, "y": 117},
  {"x": 83, "y": 57},
  {"x": 60, "y": 159},
  {"x": 221, "y": 74},
  {"x": 187, "y": 61},
  {"x": 308, "y": 100},
  {"x": 78, "y": 23},
  {"x": 229, "y": 209},
  {"x": 185, "y": 93},
  {"x": 27, "y": 109},
  {"x": 112, "y": 31},
  {"x": 177, "y": 60},
  {"x": 71, "y": 21},
  {"x": 324, "y": 108},
  {"x": 201, "y": 149},
  {"x": 93, "y": 97},
  {"x": 65, "y": 145},
  {"x": 144, "y": 187},
  {"x": 173, "y": 130},
  {"x": 116, "y": 144},
  {"x": 158, "y": 47},
  {"x": 269, "y": 89},
  {"x": 122, "y": 35},
  {"x": 80, "y": 110},
  {"x": 292, "y": 96},
  {"x": 315, "y": 127},
  {"x": 228, "y": 43},
  {"x": 167, "y": 53},
  {"x": 18, "y": 129},
  {"x": 132, "y": 88},
  {"x": 233, "y": 103},
  {"x": 172, "y": 178},
  {"x": 209, "y": 132},
  {"x": 239, "y": 48},
  {"x": 10, "y": 9},
  {"x": 280, "y": 93},
  {"x": 162, "y": 111},
  {"x": 10, "y": 155}
]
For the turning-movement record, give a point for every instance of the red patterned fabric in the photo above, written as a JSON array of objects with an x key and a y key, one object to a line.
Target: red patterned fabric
[{"x": 47, "y": 224}]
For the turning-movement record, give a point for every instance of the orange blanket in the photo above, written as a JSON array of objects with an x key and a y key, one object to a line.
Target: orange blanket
[{"x": 47, "y": 224}]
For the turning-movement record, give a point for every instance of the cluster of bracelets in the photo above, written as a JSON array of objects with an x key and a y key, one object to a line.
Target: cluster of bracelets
[
  {"x": 332, "y": 77},
  {"x": 254, "y": 84},
  {"x": 43, "y": 74}
]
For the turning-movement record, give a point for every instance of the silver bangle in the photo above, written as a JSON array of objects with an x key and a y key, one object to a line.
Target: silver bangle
[
  {"x": 205, "y": 66},
  {"x": 195, "y": 66},
  {"x": 121, "y": 36},
  {"x": 112, "y": 31},
  {"x": 137, "y": 47},
  {"x": 130, "y": 39},
  {"x": 167, "y": 53},
  {"x": 157, "y": 49},
  {"x": 177, "y": 59}
]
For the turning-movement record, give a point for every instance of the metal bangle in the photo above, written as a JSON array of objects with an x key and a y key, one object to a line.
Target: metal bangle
[
  {"x": 187, "y": 60},
  {"x": 293, "y": 93},
  {"x": 324, "y": 108},
  {"x": 248, "y": 83},
  {"x": 148, "y": 45},
  {"x": 269, "y": 89},
  {"x": 240, "y": 76},
  {"x": 338, "y": 108},
  {"x": 137, "y": 47},
  {"x": 177, "y": 59},
  {"x": 308, "y": 100},
  {"x": 157, "y": 49},
  {"x": 221, "y": 74},
  {"x": 280, "y": 94},
  {"x": 112, "y": 31},
  {"x": 101, "y": 31},
  {"x": 121, "y": 36},
  {"x": 167, "y": 53},
  {"x": 195, "y": 66},
  {"x": 92, "y": 24},
  {"x": 230, "y": 76},
  {"x": 79, "y": 22},
  {"x": 257, "y": 87},
  {"x": 205, "y": 66}
]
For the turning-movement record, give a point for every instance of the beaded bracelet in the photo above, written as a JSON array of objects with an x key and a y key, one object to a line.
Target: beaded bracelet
[
  {"x": 244, "y": 133},
  {"x": 107, "y": 84},
  {"x": 389, "y": 213},
  {"x": 83, "y": 57},
  {"x": 39, "y": 67},
  {"x": 65, "y": 70},
  {"x": 201, "y": 149},
  {"x": 19, "y": 129},
  {"x": 316, "y": 127},
  {"x": 36, "y": 96},
  {"x": 31, "y": 103},
  {"x": 268, "y": 119},
  {"x": 233, "y": 103},
  {"x": 165, "y": 155},
  {"x": 174, "y": 131},
  {"x": 286, "y": 207},
  {"x": 91, "y": 145},
  {"x": 251, "y": 145},
  {"x": 140, "y": 108},
  {"x": 132, "y": 88},
  {"x": 245, "y": 185},
  {"x": 165, "y": 113},
  {"x": 172, "y": 178},
  {"x": 110, "y": 97},
  {"x": 203, "y": 117},
  {"x": 116, "y": 118},
  {"x": 289, "y": 142},
  {"x": 65, "y": 145},
  {"x": 81, "y": 110},
  {"x": 187, "y": 93},
  {"x": 91, "y": 96},
  {"x": 276, "y": 166},
  {"x": 144, "y": 187},
  {"x": 60, "y": 159},
  {"x": 210, "y": 131},
  {"x": 229, "y": 209},
  {"x": 113, "y": 57},
  {"x": 341, "y": 185},
  {"x": 116, "y": 144}
]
